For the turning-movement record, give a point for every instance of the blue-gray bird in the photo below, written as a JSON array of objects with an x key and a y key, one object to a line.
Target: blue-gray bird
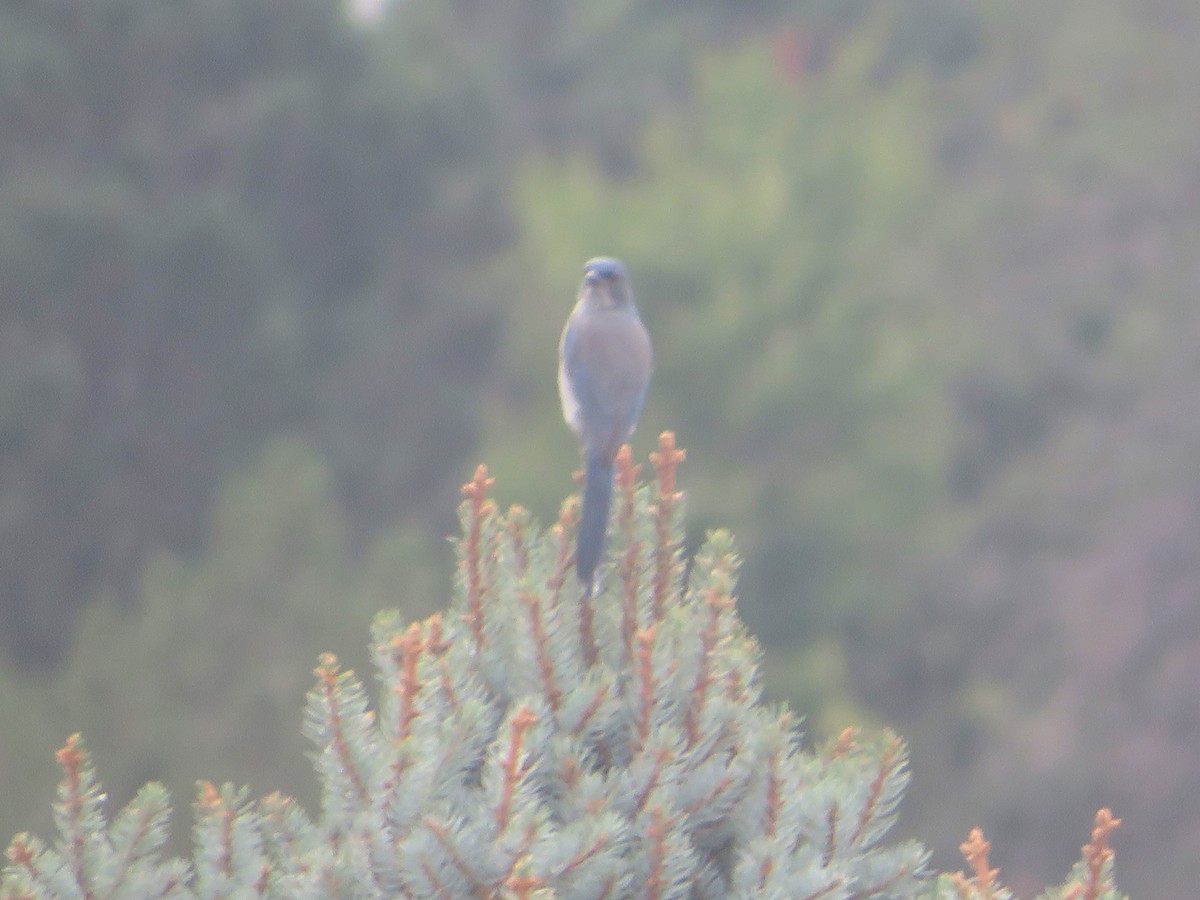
[{"x": 605, "y": 361}]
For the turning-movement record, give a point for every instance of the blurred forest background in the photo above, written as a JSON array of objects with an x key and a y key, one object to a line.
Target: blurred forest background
[{"x": 923, "y": 280}]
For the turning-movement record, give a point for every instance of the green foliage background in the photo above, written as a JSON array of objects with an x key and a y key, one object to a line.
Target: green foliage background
[
  {"x": 205, "y": 678},
  {"x": 922, "y": 281}
]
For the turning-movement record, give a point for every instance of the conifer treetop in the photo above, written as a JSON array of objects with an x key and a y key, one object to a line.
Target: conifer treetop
[{"x": 531, "y": 742}]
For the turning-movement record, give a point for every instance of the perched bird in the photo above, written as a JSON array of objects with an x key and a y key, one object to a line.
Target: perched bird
[{"x": 605, "y": 361}]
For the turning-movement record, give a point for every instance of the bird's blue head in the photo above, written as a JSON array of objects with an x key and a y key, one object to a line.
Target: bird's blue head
[{"x": 606, "y": 283}]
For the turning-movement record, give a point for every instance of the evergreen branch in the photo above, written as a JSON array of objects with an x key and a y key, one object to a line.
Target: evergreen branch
[
  {"x": 443, "y": 892},
  {"x": 291, "y": 835},
  {"x": 845, "y": 742},
  {"x": 699, "y": 694},
  {"x": 665, "y": 459},
  {"x": 545, "y": 663},
  {"x": 332, "y": 685},
  {"x": 630, "y": 566},
  {"x": 656, "y": 834},
  {"x": 625, "y": 481},
  {"x": 209, "y": 807},
  {"x": 766, "y": 867},
  {"x": 513, "y": 768},
  {"x": 230, "y": 833},
  {"x": 975, "y": 851},
  {"x": 881, "y": 886},
  {"x": 442, "y": 835},
  {"x": 520, "y": 859},
  {"x": 406, "y": 650},
  {"x": 582, "y": 856},
  {"x": 646, "y": 684},
  {"x": 710, "y": 798},
  {"x": 886, "y": 768},
  {"x": 78, "y": 811},
  {"x": 479, "y": 508},
  {"x": 518, "y": 517},
  {"x": 24, "y": 852},
  {"x": 562, "y": 545},
  {"x": 589, "y": 711},
  {"x": 139, "y": 830},
  {"x": 438, "y": 648},
  {"x": 629, "y": 615},
  {"x": 1097, "y": 861},
  {"x": 774, "y": 801},
  {"x": 831, "y": 824},
  {"x": 735, "y": 686},
  {"x": 825, "y": 891},
  {"x": 522, "y": 886},
  {"x": 1098, "y": 853},
  {"x": 587, "y": 633},
  {"x": 658, "y": 760}
]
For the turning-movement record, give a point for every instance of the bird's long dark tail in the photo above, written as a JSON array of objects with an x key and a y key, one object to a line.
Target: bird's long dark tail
[{"x": 593, "y": 521}]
